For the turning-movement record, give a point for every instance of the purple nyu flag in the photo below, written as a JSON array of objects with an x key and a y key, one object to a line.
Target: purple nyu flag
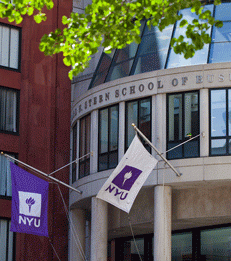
[{"x": 29, "y": 203}]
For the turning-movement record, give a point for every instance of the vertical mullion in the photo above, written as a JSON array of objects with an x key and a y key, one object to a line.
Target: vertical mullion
[
  {"x": 138, "y": 113},
  {"x": 99, "y": 139},
  {"x": 108, "y": 138},
  {"x": 136, "y": 56},
  {"x": 196, "y": 242},
  {"x": 85, "y": 147},
  {"x": 227, "y": 125},
  {"x": 210, "y": 121},
  {"x": 5, "y": 109},
  {"x": 214, "y": 7},
  {"x": 169, "y": 47}
]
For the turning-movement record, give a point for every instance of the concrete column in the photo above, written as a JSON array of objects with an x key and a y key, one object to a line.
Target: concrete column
[
  {"x": 99, "y": 227},
  {"x": 160, "y": 124},
  {"x": 77, "y": 235},
  {"x": 204, "y": 122},
  {"x": 162, "y": 223}
]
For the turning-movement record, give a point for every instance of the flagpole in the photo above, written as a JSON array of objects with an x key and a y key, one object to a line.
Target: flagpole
[
  {"x": 157, "y": 151},
  {"x": 44, "y": 174},
  {"x": 76, "y": 160}
]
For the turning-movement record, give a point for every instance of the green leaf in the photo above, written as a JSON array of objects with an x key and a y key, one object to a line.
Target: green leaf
[
  {"x": 38, "y": 19},
  {"x": 67, "y": 60},
  {"x": 218, "y": 24},
  {"x": 183, "y": 23}
]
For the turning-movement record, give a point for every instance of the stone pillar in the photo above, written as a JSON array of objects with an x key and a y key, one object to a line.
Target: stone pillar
[
  {"x": 99, "y": 227},
  {"x": 162, "y": 223},
  {"x": 77, "y": 235},
  {"x": 160, "y": 123},
  {"x": 204, "y": 122}
]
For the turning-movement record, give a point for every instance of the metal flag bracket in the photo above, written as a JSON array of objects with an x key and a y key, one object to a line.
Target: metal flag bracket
[{"x": 157, "y": 151}]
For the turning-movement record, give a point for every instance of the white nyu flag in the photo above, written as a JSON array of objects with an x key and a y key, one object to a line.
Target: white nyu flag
[{"x": 126, "y": 180}]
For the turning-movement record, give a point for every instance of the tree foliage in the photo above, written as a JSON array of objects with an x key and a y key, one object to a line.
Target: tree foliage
[{"x": 113, "y": 24}]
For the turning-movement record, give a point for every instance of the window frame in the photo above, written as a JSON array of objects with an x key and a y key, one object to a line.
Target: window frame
[
  {"x": 227, "y": 137},
  {"x": 18, "y": 69},
  {"x": 108, "y": 153},
  {"x": 214, "y": 42},
  {"x": 138, "y": 121},
  {"x": 74, "y": 153},
  {"x": 148, "y": 239},
  {"x": 86, "y": 160},
  {"x": 17, "y": 111},
  {"x": 7, "y": 240},
  {"x": 183, "y": 124},
  {"x": 16, "y": 157}
]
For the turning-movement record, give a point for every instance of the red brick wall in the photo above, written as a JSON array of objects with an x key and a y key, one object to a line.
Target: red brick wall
[{"x": 44, "y": 131}]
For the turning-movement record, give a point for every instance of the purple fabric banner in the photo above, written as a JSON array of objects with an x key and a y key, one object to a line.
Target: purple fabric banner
[{"x": 29, "y": 203}]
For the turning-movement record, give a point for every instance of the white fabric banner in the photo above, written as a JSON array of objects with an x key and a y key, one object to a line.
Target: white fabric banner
[{"x": 126, "y": 180}]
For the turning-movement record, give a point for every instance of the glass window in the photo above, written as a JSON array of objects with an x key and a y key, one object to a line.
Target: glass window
[
  {"x": 220, "y": 122},
  {"x": 221, "y": 37},
  {"x": 108, "y": 138},
  {"x": 122, "y": 62},
  {"x": 5, "y": 177},
  {"x": 183, "y": 122},
  {"x": 102, "y": 69},
  {"x": 153, "y": 50},
  {"x": 201, "y": 56},
  {"x": 7, "y": 241},
  {"x": 130, "y": 250},
  {"x": 9, "y": 47},
  {"x": 220, "y": 52},
  {"x": 74, "y": 152},
  {"x": 211, "y": 244},
  {"x": 84, "y": 146},
  {"x": 182, "y": 246},
  {"x": 139, "y": 113},
  {"x": 216, "y": 244},
  {"x": 8, "y": 110},
  {"x": 222, "y": 12}
]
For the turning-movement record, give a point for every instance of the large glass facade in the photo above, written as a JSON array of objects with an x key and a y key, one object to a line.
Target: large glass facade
[
  {"x": 183, "y": 123},
  {"x": 220, "y": 122},
  {"x": 108, "y": 138},
  {"x": 154, "y": 51}
]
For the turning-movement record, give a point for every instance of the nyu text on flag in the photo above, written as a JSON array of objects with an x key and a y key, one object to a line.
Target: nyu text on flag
[
  {"x": 29, "y": 203},
  {"x": 126, "y": 180}
]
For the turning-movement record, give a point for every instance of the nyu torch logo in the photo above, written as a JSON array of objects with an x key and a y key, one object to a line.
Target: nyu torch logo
[
  {"x": 30, "y": 208},
  {"x": 124, "y": 181},
  {"x": 30, "y": 201}
]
